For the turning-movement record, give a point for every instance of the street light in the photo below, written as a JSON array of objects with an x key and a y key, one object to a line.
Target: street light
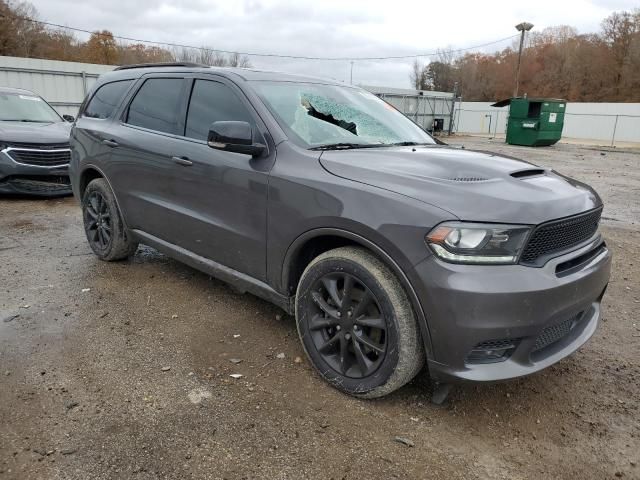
[{"x": 521, "y": 27}]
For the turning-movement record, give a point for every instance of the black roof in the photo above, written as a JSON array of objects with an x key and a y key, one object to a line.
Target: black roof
[{"x": 160, "y": 64}]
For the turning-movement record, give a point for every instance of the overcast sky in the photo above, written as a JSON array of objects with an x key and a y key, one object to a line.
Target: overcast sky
[{"x": 336, "y": 28}]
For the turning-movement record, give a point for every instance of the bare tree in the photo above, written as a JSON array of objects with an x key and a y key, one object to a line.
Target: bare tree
[
  {"x": 621, "y": 31},
  {"x": 184, "y": 55},
  {"x": 418, "y": 75},
  {"x": 446, "y": 55},
  {"x": 219, "y": 60},
  {"x": 210, "y": 56},
  {"x": 237, "y": 60}
]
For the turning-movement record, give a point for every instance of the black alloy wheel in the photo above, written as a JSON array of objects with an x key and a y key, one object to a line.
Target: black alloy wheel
[
  {"x": 98, "y": 221},
  {"x": 348, "y": 329},
  {"x": 356, "y": 323},
  {"x": 106, "y": 233}
]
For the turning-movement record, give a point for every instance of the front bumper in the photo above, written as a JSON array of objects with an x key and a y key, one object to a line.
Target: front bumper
[
  {"x": 545, "y": 315},
  {"x": 18, "y": 178}
]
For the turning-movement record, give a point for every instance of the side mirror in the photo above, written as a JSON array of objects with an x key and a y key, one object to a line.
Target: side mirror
[
  {"x": 234, "y": 137},
  {"x": 68, "y": 118}
]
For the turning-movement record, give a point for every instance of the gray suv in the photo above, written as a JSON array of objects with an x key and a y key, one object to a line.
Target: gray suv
[
  {"x": 391, "y": 249},
  {"x": 34, "y": 145}
]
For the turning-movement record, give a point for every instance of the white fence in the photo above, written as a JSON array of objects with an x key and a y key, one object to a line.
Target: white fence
[
  {"x": 608, "y": 123},
  {"x": 62, "y": 84}
]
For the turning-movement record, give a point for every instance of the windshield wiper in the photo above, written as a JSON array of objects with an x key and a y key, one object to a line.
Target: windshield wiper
[
  {"x": 25, "y": 120},
  {"x": 345, "y": 146},
  {"x": 406, "y": 144}
]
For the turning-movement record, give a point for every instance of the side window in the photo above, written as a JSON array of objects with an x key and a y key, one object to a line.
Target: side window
[
  {"x": 157, "y": 105},
  {"x": 211, "y": 102},
  {"x": 106, "y": 99}
]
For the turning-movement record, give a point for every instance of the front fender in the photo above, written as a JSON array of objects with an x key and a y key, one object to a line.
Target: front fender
[{"x": 403, "y": 274}]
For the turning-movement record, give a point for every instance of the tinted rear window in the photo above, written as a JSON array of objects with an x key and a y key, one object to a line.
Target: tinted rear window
[
  {"x": 157, "y": 105},
  {"x": 211, "y": 102},
  {"x": 106, "y": 99}
]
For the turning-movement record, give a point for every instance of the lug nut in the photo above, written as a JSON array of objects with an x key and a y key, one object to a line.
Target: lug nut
[
  {"x": 347, "y": 336},
  {"x": 339, "y": 314},
  {"x": 338, "y": 327}
]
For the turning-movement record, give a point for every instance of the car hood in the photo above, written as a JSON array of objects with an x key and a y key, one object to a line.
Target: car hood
[
  {"x": 27, "y": 132},
  {"x": 472, "y": 185}
]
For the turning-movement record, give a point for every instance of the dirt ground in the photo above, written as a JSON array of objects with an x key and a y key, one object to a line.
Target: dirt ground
[{"x": 121, "y": 370}]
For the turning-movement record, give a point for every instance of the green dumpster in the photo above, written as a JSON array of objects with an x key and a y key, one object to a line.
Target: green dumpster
[{"x": 534, "y": 122}]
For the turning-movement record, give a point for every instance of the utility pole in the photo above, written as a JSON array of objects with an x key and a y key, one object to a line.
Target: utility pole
[
  {"x": 522, "y": 28},
  {"x": 452, "y": 115},
  {"x": 351, "y": 72}
]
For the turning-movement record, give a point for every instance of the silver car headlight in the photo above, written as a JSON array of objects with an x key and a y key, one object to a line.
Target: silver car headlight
[{"x": 478, "y": 243}]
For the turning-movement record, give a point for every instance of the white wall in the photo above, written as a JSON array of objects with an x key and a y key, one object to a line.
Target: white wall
[
  {"x": 588, "y": 121},
  {"x": 62, "y": 84},
  {"x": 478, "y": 117}
]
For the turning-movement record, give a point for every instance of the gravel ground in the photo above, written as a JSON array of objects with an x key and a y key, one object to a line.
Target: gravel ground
[{"x": 122, "y": 370}]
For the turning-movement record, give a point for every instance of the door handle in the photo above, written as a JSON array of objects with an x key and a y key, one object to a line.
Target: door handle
[
  {"x": 184, "y": 161},
  {"x": 110, "y": 143}
]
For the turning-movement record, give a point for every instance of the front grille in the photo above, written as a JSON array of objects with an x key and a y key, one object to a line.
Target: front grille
[
  {"x": 45, "y": 158},
  {"x": 555, "y": 333},
  {"x": 559, "y": 235}
]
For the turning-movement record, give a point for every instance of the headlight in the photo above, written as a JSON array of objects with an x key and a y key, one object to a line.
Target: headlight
[{"x": 460, "y": 242}]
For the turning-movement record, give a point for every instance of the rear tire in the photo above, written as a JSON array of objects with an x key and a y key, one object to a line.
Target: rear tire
[
  {"x": 356, "y": 323},
  {"x": 103, "y": 225}
]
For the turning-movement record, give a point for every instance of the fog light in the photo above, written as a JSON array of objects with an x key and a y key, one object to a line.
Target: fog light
[{"x": 492, "y": 351}]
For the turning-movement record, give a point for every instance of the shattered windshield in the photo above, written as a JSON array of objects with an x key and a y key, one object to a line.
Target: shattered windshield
[{"x": 316, "y": 116}]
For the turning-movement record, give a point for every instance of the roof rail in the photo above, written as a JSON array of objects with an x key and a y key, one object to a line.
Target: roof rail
[{"x": 160, "y": 64}]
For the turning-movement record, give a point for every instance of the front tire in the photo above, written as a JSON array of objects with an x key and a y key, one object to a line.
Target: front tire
[
  {"x": 356, "y": 323},
  {"x": 103, "y": 223}
]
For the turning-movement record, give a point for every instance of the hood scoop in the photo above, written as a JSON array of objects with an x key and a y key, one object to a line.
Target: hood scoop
[{"x": 531, "y": 172}]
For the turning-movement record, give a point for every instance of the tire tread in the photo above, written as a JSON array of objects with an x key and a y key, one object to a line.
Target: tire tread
[
  {"x": 411, "y": 355},
  {"x": 122, "y": 245}
]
